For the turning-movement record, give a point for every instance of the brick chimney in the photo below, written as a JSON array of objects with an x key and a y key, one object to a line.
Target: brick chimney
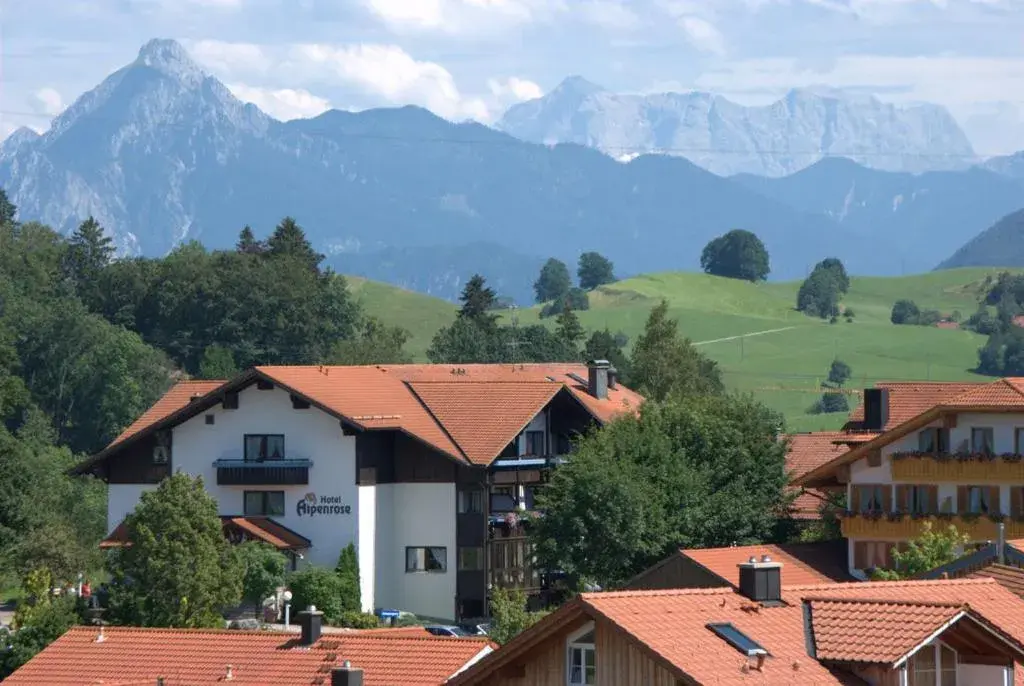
[
  {"x": 761, "y": 580},
  {"x": 346, "y": 675},
  {"x": 311, "y": 622}
]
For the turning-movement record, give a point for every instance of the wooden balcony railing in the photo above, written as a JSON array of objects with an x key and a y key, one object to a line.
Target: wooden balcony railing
[
  {"x": 510, "y": 564},
  {"x": 946, "y": 468},
  {"x": 896, "y": 527},
  {"x": 263, "y": 473}
]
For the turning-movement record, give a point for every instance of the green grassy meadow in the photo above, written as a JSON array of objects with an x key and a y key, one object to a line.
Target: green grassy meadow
[{"x": 762, "y": 344}]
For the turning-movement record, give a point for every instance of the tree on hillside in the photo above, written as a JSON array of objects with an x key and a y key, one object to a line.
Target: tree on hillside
[
  {"x": 594, "y": 270},
  {"x": 554, "y": 281},
  {"x": 89, "y": 251},
  {"x": 604, "y": 345},
  {"x": 905, "y": 312},
  {"x": 179, "y": 570},
  {"x": 738, "y": 254},
  {"x": 374, "y": 343},
  {"x": 8, "y": 210},
  {"x": 839, "y": 373},
  {"x": 569, "y": 329},
  {"x": 574, "y": 299},
  {"x": 290, "y": 240},
  {"x": 464, "y": 341},
  {"x": 247, "y": 243},
  {"x": 833, "y": 399},
  {"x": 263, "y": 571},
  {"x": 821, "y": 291},
  {"x": 665, "y": 364},
  {"x": 217, "y": 363},
  {"x": 692, "y": 472},
  {"x": 478, "y": 301},
  {"x": 929, "y": 550}
]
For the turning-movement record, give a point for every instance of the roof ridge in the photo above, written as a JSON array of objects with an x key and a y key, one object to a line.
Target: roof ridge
[
  {"x": 378, "y": 633},
  {"x": 903, "y": 583},
  {"x": 648, "y": 593},
  {"x": 951, "y": 604}
]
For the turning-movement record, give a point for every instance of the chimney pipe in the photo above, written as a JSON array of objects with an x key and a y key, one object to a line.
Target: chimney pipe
[
  {"x": 346, "y": 675},
  {"x": 876, "y": 408},
  {"x": 597, "y": 378},
  {"x": 311, "y": 622},
  {"x": 613, "y": 378},
  {"x": 1001, "y": 544},
  {"x": 761, "y": 581}
]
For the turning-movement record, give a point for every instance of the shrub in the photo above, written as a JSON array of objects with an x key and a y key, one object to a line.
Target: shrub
[
  {"x": 320, "y": 587},
  {"x": 359, "y": 620}
]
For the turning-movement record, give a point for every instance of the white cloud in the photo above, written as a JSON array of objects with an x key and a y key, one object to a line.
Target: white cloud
[
  {"x": 391, "y": 74},
  {"x": 47, "y": 101},
  {"x": 456, "y": 16},
  {"x": 514, "y": 89},
  {"x": 283, "y": 103},
  {"x": 702, "y": 34},
  {"x": 230, "y": 59},
  {"x": 609, "y": 14}
]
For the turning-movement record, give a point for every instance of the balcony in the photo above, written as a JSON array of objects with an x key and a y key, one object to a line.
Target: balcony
[
  {"x": 262, "y": 472},
  {"x": 511, "y": 564},
  {"x": 902, "y": 527},
  {"x": 946, "y": 468}
]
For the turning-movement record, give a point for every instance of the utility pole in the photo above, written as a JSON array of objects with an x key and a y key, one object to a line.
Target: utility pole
[{"x": 514, "y": 342}]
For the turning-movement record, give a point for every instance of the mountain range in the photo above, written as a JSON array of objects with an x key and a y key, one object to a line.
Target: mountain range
[
  {"x": 161, "y": 152},
  {"x": 726, "y": 138}
]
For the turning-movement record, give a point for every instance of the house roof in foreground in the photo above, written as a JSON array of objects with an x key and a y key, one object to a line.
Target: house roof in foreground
[
  {"x": 468, "y": 412},
  {"x": 802, "y": 563},
  {"x": 196, "y": 656},
  {"x": 671, "y": 627}
]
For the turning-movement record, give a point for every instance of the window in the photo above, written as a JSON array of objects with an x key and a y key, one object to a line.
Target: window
[
  {"x": 264, "y": 447},
  {"x": 871, "y": 498},
  {"x": 535, "y": 443},
  {"x": 268, "y": 503},
  {"x": 925, "y": 667},
  {"x": 979, "y": 499},
  {"x": 503, "y": 498},
  {"x": 428, "y": 559},
  {"x": 582, "y": 660},
  {"x": 210, "y": 419},
  {"x": 471, "y": 559},
  {"x": 982, "y": 441},
  {"x": 934, "y": 665},
  {"x": 933, "y": 440},
  {"x": 264, "y": 385},
  {"x": 920, "y": 499},
  {"x": 1018, "y": 441},
  {"x": 948, "y": 666},
  {"x": 872, "y": 555},
  {"x": 230, "y": 401},
  {"x": 471, "y": 502}
]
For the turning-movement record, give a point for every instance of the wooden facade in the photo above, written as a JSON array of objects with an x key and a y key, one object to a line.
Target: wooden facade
[
  {"x": 677, "y": 571},
  {"x": 620, "y": 661}
]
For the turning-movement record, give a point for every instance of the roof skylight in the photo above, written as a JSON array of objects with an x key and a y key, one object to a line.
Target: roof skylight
[{"x": 737, "y": 639}]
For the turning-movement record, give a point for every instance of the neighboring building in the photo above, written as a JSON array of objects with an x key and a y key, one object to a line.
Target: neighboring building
[
  {"x": 131, "y": 656},
  {"x": 808, "y": 451},
  {"x": 904, "y": 633},
  {"x": 803, "y": 563},
  {"x": 427, "y": 469},
  {"x": 1003, "y": 563},
  {"x": 949, "y": 453}
]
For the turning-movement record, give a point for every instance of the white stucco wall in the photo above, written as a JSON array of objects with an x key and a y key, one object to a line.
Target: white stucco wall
[
  {"x": 366, "y": 545},
  {"x": 122, "y": 499},
  {"x": 420, "y": 515}
]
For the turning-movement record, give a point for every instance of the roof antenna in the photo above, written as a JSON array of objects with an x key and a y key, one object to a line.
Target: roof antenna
[{"x": 514, "y": 342}]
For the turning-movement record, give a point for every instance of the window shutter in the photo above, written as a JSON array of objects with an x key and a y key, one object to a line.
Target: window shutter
[
  {"x": 962, "y": 501},
  {"x": 855, "y": 498},
  {"x": 1016, "y": 500},
  {"x": 886, "y": 499},
  {"x": 933, "y": 498},
  {"x": 994, "y": 505},
  {"x": 903, "y": 503},
  {"x": 860, "y": 555}
]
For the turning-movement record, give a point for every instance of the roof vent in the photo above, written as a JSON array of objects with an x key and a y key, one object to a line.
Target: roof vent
[
  {"x": 761, "y": 581},
  {"x": 311, "y": 622},
  {"x": 346, "y": 675},
  {"x": 100, "y": 637},
  {"x": 229, "y": 673}
]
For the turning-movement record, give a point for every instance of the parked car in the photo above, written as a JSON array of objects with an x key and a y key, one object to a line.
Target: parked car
[
  {"x": 446, "y": 630},
  {"x": 475, "y": 629}
]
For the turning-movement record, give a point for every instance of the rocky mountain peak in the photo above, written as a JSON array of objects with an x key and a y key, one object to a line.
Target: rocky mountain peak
[{"x": 170, "y": 58}]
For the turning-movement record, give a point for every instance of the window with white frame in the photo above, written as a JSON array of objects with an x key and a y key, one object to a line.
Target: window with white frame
[
  {"x": 934, "y": 665},
  {"x": 582, "y": 658}
]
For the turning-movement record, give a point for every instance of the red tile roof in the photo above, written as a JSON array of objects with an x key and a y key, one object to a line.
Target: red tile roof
[
  {"x": 907, "y": 399},
  {"x": 671, "y": 626},
  {"x": 261, "y": 528},
  {"x": 856, "y": 630},
  {"x": 441, "y": 405},
  {"x": 808, "y": 451},
  {"x": 1010, "y": 578},
  {"x": 802, "y": 563},
  {"x": 194, "y": 657}
]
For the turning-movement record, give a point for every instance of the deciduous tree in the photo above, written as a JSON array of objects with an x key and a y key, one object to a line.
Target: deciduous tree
[
  {"x": 218, "y": 363},
  {"x": 554, "y": 281},
  {"x": 929, "y": 550},
  {"x": 509, "y": 615},
  {"x": 738, "y": 254},
  {"x": 374, "y": 343},
  {"x": 180, "y": 570},
  {"x": 664, "y": 363},
  {"x": 263, "y": 569},
  {"x": 595, "y": 270}
]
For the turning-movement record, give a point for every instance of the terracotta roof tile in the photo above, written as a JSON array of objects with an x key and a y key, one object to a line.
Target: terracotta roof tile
[
  {"x": 195, "y": 657},
  {"x": 855, "y": 630},
  {"x": 673, "y": 623},
  {"x": 802, "y": 563},
  {"x": 908, "y": 399},
  {"x": 808, "y": 451},
  {"x": 1001, "y": 393},
  {"x": 484, "y": 416},
  {"x": 262, "y": 528},
  {"x": 382, "y": 397},
  {"x": 1011, "y": 578},
  {"x": 180, "y": 395}
]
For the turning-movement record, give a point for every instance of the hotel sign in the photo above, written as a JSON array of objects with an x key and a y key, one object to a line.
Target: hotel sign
[{"x": 313, "y": 506}]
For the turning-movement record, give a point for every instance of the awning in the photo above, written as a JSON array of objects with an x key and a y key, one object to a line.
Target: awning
[{"x": 237, "y": 530}]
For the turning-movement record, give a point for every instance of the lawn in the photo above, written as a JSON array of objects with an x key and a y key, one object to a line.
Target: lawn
[{"x": 762, "y": 344}]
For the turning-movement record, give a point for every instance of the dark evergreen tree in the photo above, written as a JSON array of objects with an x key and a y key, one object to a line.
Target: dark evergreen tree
[
  {"x": 569, "y": 329},
  {"x": 290, "y": 240},
  {"x": 603, "y": 345},
  {"x": 89, "y": 251},
  {"x": 478, "y": 302},
  {"x": 347, "y": 570},
  {"x": 554, "y": 281},
  {"x": 247, "y": 243},
  {"x": 8, "y": 210},
  {"x": 738, "y": 254},
  {"x": 594, "y": 270}
]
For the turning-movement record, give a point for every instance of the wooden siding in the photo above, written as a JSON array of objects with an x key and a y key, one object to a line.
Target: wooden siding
[
  {"x": 954, "y": 470},
  {"x": 677, "y": 571},
  {"x": 619, "y": 662},
  {"x": 979, "y": 528}
]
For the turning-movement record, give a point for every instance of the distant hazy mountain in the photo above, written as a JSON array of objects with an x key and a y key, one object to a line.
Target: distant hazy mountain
[
  {"x": 1011, "y": 166},
  {"x": 1000, "y": 245},
  {"x": 910, "y": 222},
  {"x": 160, "y": 153},
  {"x": 727, "y": 138},
  {"x": 442, "y": 271}
]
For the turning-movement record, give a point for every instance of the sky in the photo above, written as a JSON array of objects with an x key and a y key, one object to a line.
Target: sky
[{"x": 474, "y": 58}]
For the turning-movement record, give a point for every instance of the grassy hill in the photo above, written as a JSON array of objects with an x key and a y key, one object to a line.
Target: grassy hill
[
  {"x": 421, "y": 315},
  {"x": 762, "y": 344}
]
